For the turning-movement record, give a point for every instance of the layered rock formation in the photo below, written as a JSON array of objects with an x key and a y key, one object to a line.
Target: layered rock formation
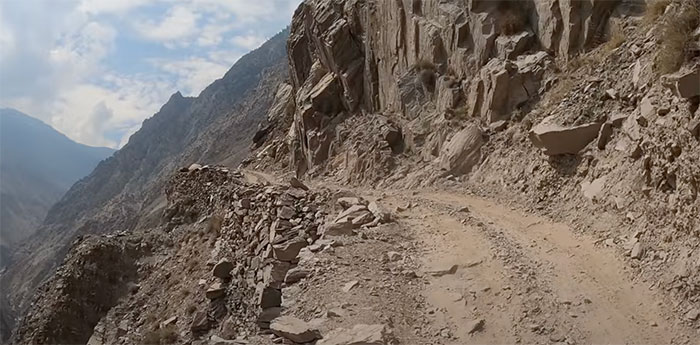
[{"x": 415, "y": 57}]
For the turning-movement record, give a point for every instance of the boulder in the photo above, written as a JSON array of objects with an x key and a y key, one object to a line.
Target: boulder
[
  {"x": 274, "y": 273},
  {"x": 342, "y": 228},
  {"x": 358, "y": 335},
  {"x": 267, "y": 315},
  {"x": 223, "y": 269},
  {"x": 462, "y": 152},
  {"x": 216, "y": 291},
  {"x": 296, "y": 274},
  {"x": 294, "y": 182},
  {"x": 555, "y": 140},
  {"x": 267, "y": 296},
  {"x": 347, "y": 202},
  {"x": 685, "y": 83},
  {"x": 604, "y": 135},
  {"x": 286, "y": 212},
  {"x": 380, "y": 213},
  {"x": 352, "y": 212},
  {"x": 200, "y": 322},
  {"x": 194, "y": 167},
  {"x": 294, "y": 329},
  {"x": 288, "y": 250}
]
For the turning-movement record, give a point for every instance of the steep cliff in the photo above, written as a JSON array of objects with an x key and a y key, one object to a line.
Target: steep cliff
[{"x": 125, "y": 192}]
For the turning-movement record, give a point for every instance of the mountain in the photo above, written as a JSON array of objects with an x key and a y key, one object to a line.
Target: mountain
[
  {"x": 125, "y": 192},
  {"x": 37, "y": 166}
]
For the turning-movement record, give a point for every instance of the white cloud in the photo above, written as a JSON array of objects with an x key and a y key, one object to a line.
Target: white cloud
[
  {"x": 110, "y": 6},
  {"x": 94, "y": 69},
  {"x": 249, "y": 41},
  {"x": 193, "y": 74},
  {"x": 180, "y": 23}
]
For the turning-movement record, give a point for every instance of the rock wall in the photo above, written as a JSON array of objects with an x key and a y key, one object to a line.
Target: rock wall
[{"x": 365, "y": 57}]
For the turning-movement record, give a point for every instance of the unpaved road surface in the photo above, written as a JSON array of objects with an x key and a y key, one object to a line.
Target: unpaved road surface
[
  {"x": 530, "y": 280},
  {"x": 486, "y": 274}
]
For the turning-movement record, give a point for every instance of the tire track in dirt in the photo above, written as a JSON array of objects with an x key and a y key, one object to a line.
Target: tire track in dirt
[{"x": 534, "y": 281}]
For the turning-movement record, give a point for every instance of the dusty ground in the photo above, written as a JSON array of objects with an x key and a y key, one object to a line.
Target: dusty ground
[{"x": 531, "y": 280}]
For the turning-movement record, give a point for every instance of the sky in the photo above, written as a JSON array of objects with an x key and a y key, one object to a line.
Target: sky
[{"x": 95, "y": 69}]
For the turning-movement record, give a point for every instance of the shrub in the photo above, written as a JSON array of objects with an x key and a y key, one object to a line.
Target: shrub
[
  {"x": 426, "y": 74},
  {"x": 654, "y": 10},
  {"x": 676, "y": 35},
  {"x": 616, "y": 39},
  {"x": 167, "y": 335}
]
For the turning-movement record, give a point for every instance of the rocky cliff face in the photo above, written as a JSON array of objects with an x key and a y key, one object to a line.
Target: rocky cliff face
[
  {"x": 125, "y": 192},
  {"x": 569, "y": 106},
  {"x": 478, "y": 58}
]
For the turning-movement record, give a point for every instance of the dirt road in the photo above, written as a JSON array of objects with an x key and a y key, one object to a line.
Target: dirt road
[{"x": 529, "y": 279}]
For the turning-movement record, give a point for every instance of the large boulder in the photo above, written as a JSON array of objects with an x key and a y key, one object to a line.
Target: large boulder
[
  {"x": 294, "y": 329},
  {"x": 685, "y": 83},
  {"x": 462, "y": 152},
  {"x": 358, "y": 335},
  {"x": 556, "y": 140}
]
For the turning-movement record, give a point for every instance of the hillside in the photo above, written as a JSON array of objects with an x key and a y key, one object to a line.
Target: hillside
[
  {"x": 37, "y": 166},
  {"x": 125, "y": 191}
]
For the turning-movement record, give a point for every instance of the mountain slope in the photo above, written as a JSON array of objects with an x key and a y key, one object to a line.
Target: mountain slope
[
  {"x": 28, "y": 187},
  {"x": 214, "y": 127}
]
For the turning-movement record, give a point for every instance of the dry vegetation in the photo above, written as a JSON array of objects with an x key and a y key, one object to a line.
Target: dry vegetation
[
  {"x": 676, "y": 35},
  {"x": 167, "y": 335},
  {"x": 654, "y": 11}
]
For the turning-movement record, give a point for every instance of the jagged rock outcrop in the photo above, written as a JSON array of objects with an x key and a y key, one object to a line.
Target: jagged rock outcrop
[{"x": 412, "y": 57}]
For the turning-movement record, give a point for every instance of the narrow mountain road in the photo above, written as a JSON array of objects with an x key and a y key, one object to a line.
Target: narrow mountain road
[
  {"x": 495, "y": 275},
  {"x": 530, "y": 280}
]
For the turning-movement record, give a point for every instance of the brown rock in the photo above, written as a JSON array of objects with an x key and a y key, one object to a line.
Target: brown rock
[
  {"x": 267, "y": 315},
  {"x": 294, "y": 182},
  {"x": 294, "y": 329},
  {"x": 604, "y": 135},
  {"x": 344, "y": 228},
  {"x": 216, "y": 291},
  {"x": 268, "y": 297},
  {"x": 200, "y": 322},
  {"x": 222, "y": 269},
  {"x": 288, "y": 250},
  {"x": 296, "y": 274},
  {"x": 556, "y": 140},
  {"x": 462, "y": 152},
  {"x": 475, "y": 326},
  {"x": 358, "y": 335},
  {"x": 694, "y": 127},
  {"x": 685, "y": 83}
]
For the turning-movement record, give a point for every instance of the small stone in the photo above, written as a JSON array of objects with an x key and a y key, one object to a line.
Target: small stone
[
  {"x": 692, "y": 314},
  {"x": 475, "y": 326},
  {"x": 393, "y": 256},
  {"x": 637, "y": 251},
  {"x": 442, "y": 272},
  {"x": 349, "y": 285}
]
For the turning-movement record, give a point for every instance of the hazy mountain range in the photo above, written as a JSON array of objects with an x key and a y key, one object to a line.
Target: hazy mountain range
[{"x": 37, "y": 166}]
